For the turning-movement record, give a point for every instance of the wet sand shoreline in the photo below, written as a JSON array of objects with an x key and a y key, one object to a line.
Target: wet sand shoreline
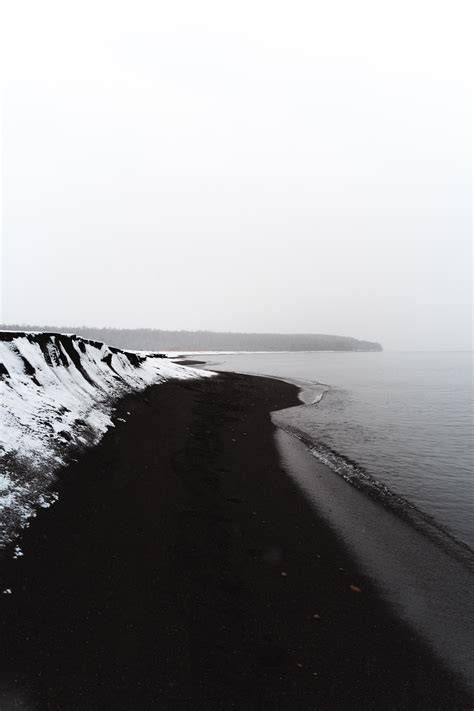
[{"x": 183, "y": 569}]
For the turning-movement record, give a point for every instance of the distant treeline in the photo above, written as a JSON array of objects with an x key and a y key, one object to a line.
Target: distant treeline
[{"x": 157, "y": 340}]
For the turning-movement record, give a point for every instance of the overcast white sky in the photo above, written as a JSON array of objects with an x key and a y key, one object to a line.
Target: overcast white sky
[{"x": 246, "y": 166}]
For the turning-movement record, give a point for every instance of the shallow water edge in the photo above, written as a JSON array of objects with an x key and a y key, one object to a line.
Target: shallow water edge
[{"x": 427, "y": 588}]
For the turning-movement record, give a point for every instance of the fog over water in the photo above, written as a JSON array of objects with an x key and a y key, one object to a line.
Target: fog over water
[{"x": 260, "y": 166}]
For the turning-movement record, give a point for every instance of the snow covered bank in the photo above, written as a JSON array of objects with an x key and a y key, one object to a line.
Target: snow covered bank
[{"x": 57, "y": 395}]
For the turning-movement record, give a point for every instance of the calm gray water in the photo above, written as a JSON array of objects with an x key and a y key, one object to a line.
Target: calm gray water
[{"x": 402, "y": 421}]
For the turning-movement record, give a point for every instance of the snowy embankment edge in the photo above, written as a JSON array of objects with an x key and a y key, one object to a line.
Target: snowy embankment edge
[{"x": 57, "y": 396}]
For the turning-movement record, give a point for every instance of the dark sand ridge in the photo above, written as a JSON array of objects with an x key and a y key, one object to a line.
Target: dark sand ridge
[{"x": 183, "y": 569}]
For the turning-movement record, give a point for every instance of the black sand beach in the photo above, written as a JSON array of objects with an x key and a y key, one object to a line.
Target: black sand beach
[{"x": 182, "y": 569}]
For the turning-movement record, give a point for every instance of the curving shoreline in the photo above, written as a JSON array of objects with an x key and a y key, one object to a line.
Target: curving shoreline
[
  {"x": 403, "y": 419},
  {"x": 182, "y": 568}
]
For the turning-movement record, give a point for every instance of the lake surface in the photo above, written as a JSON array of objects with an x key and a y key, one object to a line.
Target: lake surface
[{"x": 397, "y": 425}]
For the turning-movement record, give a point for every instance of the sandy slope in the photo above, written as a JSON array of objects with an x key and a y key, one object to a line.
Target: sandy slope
[{"x": 57, "y": 395}]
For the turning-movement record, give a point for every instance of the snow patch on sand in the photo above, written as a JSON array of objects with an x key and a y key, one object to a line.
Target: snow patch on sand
[{"x": 57, "y": 395}]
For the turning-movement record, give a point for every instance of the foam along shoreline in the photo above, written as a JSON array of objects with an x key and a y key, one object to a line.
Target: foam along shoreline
[
  {"x": 425, "y": 574},
  {"x": 428, "y": 588},
  {"x": 310, "y": 392},
  {"x": 57, "y": 395}
]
